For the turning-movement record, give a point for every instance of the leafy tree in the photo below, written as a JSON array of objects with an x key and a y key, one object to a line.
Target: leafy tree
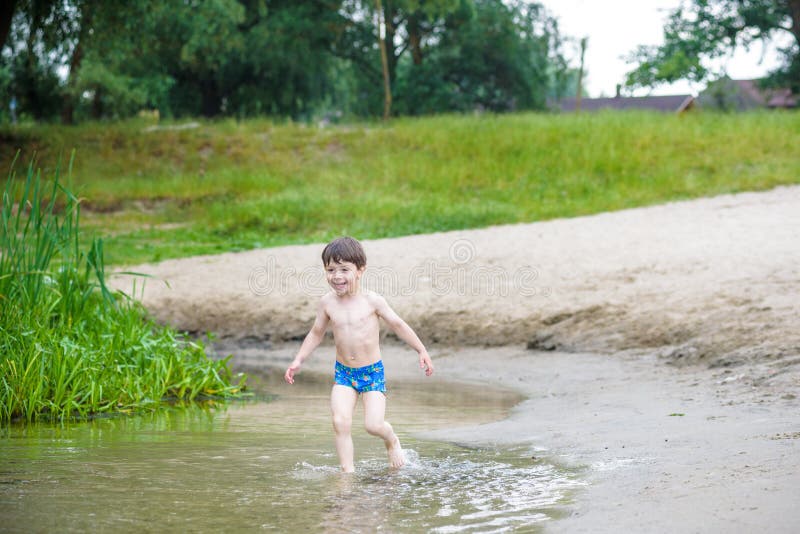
[
  {"x": 491, "y": 55},
  {"x": 193, "y": 57},
  {"x": 242, "y": 57},
  {"x": 409, "y": 25},
  {"x": 287, "y": 67},
  {"x": 708, "y": 29},
  {"x": 49, "y": 36},
  {"x": 111, "y": 58},
  {"x": 7, "y": 10},
  {"x": 120, "y": 69},
  {"x": 29, "y": 71}
]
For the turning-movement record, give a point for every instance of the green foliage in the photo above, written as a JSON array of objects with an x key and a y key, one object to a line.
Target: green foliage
[
  {"x": 302, "y": 60},
  {"x": 457, "y": 56},
  {"x": 68, "y": 345},
  {"x": 32, "y": 77},
  {"x": 122, "y": 68},
  {"x": 709, "y": 29},
  {"x": 228, "y": 185},
  {"x": 490, "y": 57}
]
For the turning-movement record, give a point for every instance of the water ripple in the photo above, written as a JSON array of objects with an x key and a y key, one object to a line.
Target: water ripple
[{"x": 463, "y": 491}]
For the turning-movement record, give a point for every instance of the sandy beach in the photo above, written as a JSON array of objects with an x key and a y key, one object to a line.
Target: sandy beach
[{"x": 658, "y": 348}]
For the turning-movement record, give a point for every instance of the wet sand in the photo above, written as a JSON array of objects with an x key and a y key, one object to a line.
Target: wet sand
[
  {"x": 658, "y": 348},
  {"x": 664, "y": 450}
]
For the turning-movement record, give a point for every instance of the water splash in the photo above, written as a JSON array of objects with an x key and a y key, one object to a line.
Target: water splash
[{"x": 463, "y": 490}]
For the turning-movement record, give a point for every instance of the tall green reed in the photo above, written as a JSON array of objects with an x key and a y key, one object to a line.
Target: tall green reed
[{"x": 68, "y": 345}]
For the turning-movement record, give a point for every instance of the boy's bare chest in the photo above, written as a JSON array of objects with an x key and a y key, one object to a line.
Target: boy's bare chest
[{"x": 355, "y": 315}]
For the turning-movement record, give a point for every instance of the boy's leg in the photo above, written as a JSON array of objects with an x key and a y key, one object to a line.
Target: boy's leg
[
  {"x": 343, "y": 403},
  {"x": 374, "y": 411}
]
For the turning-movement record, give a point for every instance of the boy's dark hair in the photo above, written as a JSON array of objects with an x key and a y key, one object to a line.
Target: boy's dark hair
[{"x": 344, "y": 249}]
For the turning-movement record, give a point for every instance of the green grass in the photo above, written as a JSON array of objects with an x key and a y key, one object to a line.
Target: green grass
[
  {"x": 237, "y": 185},
  {"x": 69, "y": 347}
]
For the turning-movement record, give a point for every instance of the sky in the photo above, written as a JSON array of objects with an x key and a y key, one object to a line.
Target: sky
[{"x": 616, "y": 27}]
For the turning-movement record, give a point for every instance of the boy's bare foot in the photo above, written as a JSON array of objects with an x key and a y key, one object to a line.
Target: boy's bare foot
[{"x": 396, "y": 457}]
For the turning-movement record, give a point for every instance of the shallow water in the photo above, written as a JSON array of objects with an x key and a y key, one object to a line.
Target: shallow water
[{"x": 272, "y": 466}]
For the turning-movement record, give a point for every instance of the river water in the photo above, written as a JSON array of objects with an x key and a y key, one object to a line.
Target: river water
[{"x": 269, "y": 464}]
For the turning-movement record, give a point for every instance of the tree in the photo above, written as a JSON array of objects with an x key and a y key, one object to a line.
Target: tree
[
  {"x": 111, "y": 58},
  {"x": 492, "y": 55},
  {"x": 709, "y": 29},
  {"x": 31, "y": 54},
  {"x": 245, "y": 57},
  {"x": 408, "y": 25},
  {"x": 7, "y": 9},
  {"x": 49, "y": 43}
]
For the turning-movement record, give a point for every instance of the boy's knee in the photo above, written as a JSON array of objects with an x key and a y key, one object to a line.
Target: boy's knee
[
  {"x": 373, "y": 426},
  {"x": 342, "y": 423}
]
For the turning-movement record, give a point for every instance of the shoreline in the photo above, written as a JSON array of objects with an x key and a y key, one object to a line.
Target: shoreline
[{"x": 662, "y": 449}]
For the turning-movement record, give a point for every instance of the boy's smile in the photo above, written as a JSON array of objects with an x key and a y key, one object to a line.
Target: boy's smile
[{"x": 343, "y": 277}]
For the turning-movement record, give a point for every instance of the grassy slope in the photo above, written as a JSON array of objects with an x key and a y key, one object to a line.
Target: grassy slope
[{"x": 232, "y": 186}]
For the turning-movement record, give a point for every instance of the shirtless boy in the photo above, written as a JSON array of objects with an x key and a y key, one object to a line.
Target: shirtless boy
[{"x": 353, "y": 314}]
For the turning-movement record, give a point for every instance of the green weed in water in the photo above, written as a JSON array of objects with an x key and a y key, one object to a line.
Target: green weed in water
[{"x": 68, "y": 345}]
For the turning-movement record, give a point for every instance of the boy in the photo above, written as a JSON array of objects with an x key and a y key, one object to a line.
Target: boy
[{"x": 353, "y": 314}]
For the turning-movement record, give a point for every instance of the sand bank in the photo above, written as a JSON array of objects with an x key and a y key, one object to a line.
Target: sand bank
[{"x": 712, "y": 280}]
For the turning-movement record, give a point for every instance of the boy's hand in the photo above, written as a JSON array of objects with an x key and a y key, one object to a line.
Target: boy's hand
[
  {"x": 425, "y": 363},
  {"x": 289, "y": 376}
]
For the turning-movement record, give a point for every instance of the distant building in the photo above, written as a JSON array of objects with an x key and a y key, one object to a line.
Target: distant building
[
  {"x": 668, "y": 103},
  {"x": 741, "y": 95}
]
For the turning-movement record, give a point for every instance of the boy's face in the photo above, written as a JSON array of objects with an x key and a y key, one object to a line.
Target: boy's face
[{"x": 343, "y": 277}]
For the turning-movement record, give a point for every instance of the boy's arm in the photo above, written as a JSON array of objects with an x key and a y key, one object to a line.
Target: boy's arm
[
  {"x": 404, "y": 332},
  {"x": 311, "y": 342}
]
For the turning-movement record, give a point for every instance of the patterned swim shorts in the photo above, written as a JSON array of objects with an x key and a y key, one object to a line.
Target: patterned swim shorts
[{"x": 361, "y": 379}]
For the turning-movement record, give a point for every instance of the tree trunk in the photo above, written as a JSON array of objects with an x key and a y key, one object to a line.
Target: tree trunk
[
  {"x": 382, "y": 39},
  {"x": 211, "y": 98},
  {"x": 31, "y": 94},
  {"x": 6, "y": 14},
  {"x": 388, "y": 40},
  {"x": 97, "y": 104},
  {"x": 794, "y": 11},
  {"x": 68, "y": 106},
  {"x": 415, "y": 39}
]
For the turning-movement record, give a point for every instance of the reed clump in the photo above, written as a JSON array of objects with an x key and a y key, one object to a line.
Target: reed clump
[{"x": 70, "y": 347}]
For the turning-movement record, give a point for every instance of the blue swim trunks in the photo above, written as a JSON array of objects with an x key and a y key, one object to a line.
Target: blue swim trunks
[{"x": 361, "y": 379}]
